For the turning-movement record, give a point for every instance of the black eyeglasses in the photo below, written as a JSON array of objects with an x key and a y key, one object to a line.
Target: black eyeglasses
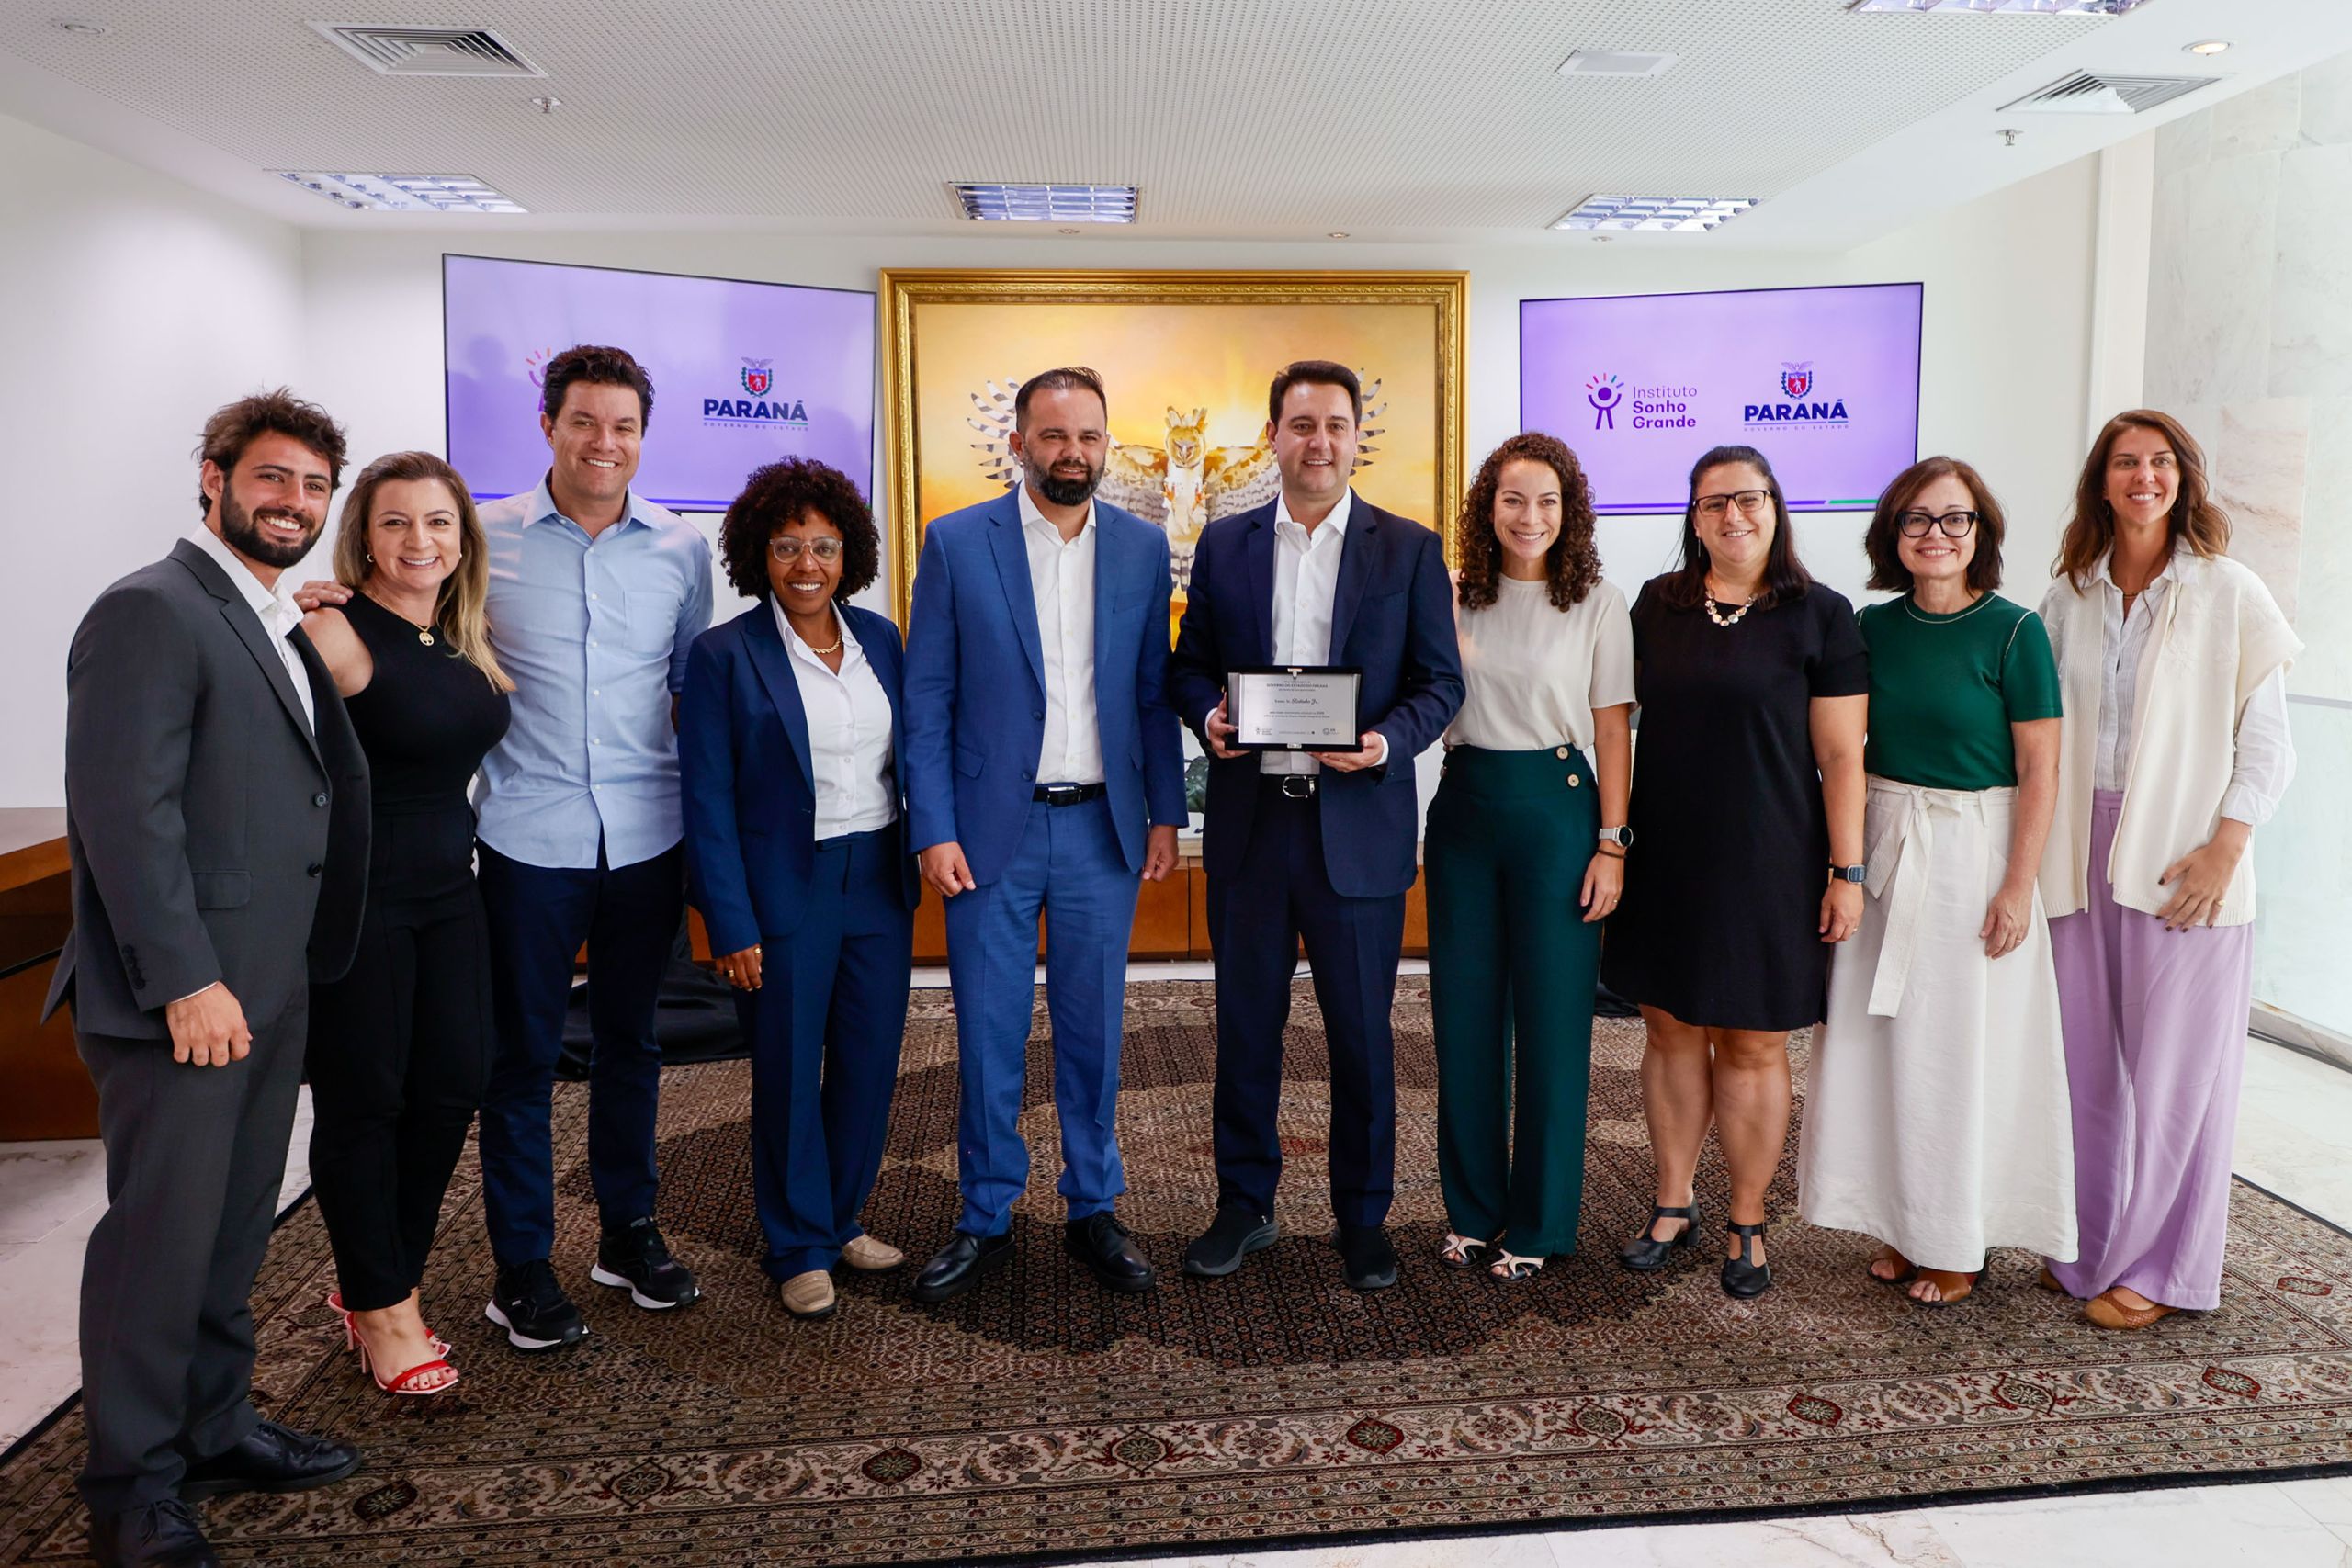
[
  {"x": 1751, "y": 503},
  {"x": 1955, "y": 524},
  {"x": 786, "y": 548}
]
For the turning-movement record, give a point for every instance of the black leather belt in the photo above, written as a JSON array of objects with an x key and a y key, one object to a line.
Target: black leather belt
[
  {"x": 1068, "y": 794},
  {"x": 1295, "y": 787}
]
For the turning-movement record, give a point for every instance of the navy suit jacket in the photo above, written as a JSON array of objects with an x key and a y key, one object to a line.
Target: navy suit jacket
[
  {"x": 748, "y": 793},
  {"x": 976, "y": 684},
  {"x": 1392, "y": 618}
]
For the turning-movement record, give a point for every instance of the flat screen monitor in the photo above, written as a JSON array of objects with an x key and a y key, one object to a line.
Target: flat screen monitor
[
  {"x": 743, "y": 373},
  {"x": 1824, "y": 381}
]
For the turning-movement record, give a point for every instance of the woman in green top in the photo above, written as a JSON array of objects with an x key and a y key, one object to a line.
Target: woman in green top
[{"x": 1937, "y": 1119}]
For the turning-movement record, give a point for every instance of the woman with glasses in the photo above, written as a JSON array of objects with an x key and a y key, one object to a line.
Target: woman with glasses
[
  {"x": 1745, "y": 862},
  {"x": 1936, "y": 1118},
  {"x": 790, "y": 746},
  {"x": 2173, "y": 658}
]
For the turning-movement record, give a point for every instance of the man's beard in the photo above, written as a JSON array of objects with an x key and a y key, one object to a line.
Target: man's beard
[
  {"x": 243, "y": 533},
  {"x": 1064, "y": 491}
]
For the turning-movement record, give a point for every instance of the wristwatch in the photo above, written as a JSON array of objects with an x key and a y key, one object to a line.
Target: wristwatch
[
  {"x": 1848, "y": 873},
  {"x": 1621, "y": 837}
]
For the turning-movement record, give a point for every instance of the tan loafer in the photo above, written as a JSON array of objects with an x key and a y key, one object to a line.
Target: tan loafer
[
  {"x": 2049, "y": 1281},
  {"x": 868, "y": 1256},
  {"x": 808, "y": 1295},
  {"x": 2105, "y": 1312}
]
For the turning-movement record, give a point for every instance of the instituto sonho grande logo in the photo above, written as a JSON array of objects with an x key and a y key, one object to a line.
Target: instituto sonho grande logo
[{"x": 1652, "y": 408}]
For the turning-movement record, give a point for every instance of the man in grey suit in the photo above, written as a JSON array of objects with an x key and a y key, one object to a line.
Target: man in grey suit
[{"x": 217, "y": 816}]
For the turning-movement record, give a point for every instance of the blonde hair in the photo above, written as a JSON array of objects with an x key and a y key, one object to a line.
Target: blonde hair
[{"x": 458, "y": 611}]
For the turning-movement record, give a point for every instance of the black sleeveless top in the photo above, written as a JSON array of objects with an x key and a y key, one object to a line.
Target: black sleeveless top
[{"x": 426, "y": 718}]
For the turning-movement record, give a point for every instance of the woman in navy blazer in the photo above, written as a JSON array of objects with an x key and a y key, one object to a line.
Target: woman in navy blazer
[{"x": 793, "y": 753}]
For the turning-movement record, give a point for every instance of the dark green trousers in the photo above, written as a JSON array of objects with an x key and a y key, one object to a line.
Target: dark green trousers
[{"x": 1512, "y": 971}]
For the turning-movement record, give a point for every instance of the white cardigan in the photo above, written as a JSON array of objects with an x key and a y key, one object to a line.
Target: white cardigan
[{"x": 2221, "y": 637}]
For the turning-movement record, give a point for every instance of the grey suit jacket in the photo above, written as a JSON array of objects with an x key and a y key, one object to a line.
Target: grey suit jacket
[{"x": 213, "y": 836}]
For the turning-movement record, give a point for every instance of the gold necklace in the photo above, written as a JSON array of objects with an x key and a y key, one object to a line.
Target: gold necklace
[
  {"x": 1707, "y": 598},
  {"x": 424, "y": 633},
  {"x": 835, "y": 647}
]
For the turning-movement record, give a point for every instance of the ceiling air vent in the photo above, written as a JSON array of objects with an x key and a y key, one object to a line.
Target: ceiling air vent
[
  {"x": 428, "y": 51},
  {"x": 2087, "y": 92}
]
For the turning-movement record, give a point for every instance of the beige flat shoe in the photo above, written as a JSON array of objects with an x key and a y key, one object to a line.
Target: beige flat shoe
[
  {"x": 868, "y": 1256},
  {"x": 2103, "y": 1310},
  {"x": 808, "y": 1295}
]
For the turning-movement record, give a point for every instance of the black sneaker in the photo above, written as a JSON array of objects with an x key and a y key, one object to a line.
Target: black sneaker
[
  {"x": 1231, "y": 1236},
  {"x": 635, "y": 1258},
  {"x": 532, "y": 1309}
]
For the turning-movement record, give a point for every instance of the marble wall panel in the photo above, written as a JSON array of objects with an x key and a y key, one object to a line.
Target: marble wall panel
[
  {"x": 2311, "y": 304},
  {"x": 2324, "y": 584},
  {"x": 2185, "y": 143},
  {"x": 2259, "y": 475},
  {"x": 2210, "y": 281},
  {"x": 2327, "y": 104},
  {"x": 2268, "y": 118}
]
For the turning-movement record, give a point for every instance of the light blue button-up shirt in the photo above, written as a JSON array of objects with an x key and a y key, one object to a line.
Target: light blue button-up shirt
[{"x": 594, "y": 633}]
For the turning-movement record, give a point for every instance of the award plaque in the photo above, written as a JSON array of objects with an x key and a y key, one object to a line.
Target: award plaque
[{"x": 1294, "y": 708}]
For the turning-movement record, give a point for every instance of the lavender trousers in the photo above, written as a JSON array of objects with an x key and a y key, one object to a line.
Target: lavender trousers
[{"x": 2155, "y": 1023}]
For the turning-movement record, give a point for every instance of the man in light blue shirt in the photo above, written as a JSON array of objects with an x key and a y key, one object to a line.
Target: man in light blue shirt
[{"x": 595, "y": 595}]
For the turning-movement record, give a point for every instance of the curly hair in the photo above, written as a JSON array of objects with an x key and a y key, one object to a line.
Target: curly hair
[
  {"x": 235, "y": 426},
  {"x": 1571, "y": 567},
  {"x": 783, "y": 494}
]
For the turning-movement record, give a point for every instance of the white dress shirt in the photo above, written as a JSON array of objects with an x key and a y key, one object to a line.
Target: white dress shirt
[
  {"x": 2264, "y": 763},
  {"x": 1061, "y": 581},
  {"x": 849, "y": 734},
  {"x": 1307, "y": 581},
  {"x": 275, "y": 607}
]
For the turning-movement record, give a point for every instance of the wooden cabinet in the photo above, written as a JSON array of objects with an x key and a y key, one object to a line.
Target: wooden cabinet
[{"x": 50, "y": 1094}]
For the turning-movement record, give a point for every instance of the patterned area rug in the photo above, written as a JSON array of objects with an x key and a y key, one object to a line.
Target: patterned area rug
[{"x": 1040, "y": 1415}]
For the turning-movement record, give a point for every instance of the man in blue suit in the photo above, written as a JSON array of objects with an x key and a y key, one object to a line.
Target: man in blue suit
[
  {"x": 1317, "y": 845},
  {"x": 1045, "y": 773}
]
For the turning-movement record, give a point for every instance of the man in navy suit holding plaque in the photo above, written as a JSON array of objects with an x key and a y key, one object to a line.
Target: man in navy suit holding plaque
[
  {"x": 1313, "y": 845},
  {"x": 1044, "y": 774}
]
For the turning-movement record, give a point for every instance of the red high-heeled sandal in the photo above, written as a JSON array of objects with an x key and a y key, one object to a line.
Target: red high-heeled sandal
[{"x": 400, "y": 1383}]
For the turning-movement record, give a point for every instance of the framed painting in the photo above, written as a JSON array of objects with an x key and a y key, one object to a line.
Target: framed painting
[{"x": 1186, "y": 358}]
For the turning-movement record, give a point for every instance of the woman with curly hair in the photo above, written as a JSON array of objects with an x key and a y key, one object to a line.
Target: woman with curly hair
[
  {"x": 1538, "y": 765},
  {"x": 791, "y": 751}
]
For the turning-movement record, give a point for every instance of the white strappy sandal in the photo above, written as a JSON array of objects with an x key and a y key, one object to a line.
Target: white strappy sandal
[
  {"x": 1512, "y": 1269},
  {"x": 1461, "y": 1251}
]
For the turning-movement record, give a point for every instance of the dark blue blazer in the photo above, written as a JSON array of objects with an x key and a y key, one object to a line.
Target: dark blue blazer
[
  {"x": 1392, "y": 618},
  {"x": 976, "y": 684},
  {"x": 750, "y": 797}
]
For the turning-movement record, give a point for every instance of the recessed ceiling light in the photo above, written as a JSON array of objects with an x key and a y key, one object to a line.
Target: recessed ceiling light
[
  {"x": 1654, "y": 214},
  {"x": 1338, "y": 234},
  {"x": 405, "y": 193},
  {"x": 2207, "y": 46},
  {"x": 1616, "y": 62},
  {"x": 1046, "y": 203},
  {"x": 2006, "y": 7},
  {"x": 1065, "y": 231}
]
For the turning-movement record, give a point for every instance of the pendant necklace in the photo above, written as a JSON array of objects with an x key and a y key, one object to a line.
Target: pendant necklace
[{"x": 424, "y": 633}]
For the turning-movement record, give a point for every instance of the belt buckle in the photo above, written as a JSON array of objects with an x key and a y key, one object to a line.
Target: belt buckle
[
  {"x": 1060, "y": 794},
  {"x": 1299, "y": 786}
]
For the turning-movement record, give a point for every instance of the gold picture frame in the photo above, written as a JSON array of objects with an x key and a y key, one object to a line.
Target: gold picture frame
[{"x": 1180, "y": 352}]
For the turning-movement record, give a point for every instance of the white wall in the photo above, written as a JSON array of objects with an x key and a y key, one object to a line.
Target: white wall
[
  {"x": 2005, "y": 353},
  {"x": 139, "y": 306},
  {"x": 130, "y": 307}
]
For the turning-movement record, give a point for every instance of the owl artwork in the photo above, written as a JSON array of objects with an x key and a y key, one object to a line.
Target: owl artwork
[{"x": 1183, "y": 484}]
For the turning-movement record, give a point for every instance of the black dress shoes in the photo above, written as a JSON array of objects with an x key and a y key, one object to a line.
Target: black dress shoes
[
  {"x": 161, "y": 1535},
  {"x": 1233, "y": 1235},
  {"x": 271, "y": 1458},
  {"x": 1366, "y": 1258},
  {"x": 961, "y": 1264},
  {"x": 1100, "y": 1243}
]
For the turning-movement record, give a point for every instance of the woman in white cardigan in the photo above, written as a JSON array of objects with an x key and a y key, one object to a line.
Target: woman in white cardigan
[{"x": 2171, "y": 661}]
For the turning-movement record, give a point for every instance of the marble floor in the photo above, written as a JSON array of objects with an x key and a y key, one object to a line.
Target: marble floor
[{"x": 2294, "y": 1138}]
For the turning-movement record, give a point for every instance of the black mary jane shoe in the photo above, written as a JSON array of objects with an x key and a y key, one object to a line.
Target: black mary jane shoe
[
  {"x": 1742, "y": 1278},
  {"x": 1643, "y": 1255}
]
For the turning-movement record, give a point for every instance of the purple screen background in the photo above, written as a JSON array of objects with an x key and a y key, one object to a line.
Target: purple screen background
[
  {"x": 1716, "y": 354},
  {"x": 502, "y": 319}
]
